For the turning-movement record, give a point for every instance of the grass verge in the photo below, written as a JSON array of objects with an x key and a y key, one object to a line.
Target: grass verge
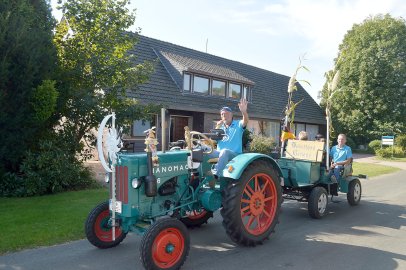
[
  {"x": 46, "y": 220},
  {"x": 372, "y": 169}
]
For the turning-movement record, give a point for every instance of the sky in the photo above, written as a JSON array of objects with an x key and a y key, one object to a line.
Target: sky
[{"x": 269, "y": 34}]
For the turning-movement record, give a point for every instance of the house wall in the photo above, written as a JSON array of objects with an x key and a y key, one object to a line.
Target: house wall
[{"x": 209, "y": 119}]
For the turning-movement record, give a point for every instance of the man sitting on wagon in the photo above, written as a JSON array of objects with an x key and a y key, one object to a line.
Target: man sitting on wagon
[{"x": 341, "y": 155}]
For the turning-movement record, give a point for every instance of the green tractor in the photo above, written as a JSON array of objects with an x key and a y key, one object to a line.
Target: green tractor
[{"x": 158, "y": 194}]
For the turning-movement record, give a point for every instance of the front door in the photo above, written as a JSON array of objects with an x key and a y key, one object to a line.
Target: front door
[{"x": 178, "y": 124}]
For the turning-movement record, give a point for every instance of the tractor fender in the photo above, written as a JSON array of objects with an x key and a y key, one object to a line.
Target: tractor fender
[
  {"x": 345, "y": 182},
  {"x": 237, "y": 165}
]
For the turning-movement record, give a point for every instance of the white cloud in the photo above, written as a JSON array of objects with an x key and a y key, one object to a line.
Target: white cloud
[{"x": 323, "y": 23}]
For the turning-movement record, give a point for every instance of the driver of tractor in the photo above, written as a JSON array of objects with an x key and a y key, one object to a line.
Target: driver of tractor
[
  {"x": 231, "y": 144},
  {"x": 341, "y": 155}
]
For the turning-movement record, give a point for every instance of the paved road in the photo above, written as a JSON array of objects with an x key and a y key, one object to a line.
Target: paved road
[
  {"x": 368, "y": 158},
  {"x": 371, "y": 235}
]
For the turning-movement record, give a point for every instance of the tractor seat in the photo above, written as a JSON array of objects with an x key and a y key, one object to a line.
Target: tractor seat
[{"x": 213, "y": 160}]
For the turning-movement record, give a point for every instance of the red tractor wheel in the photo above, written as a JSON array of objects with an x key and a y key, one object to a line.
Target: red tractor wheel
[
  {"x": 98, "y": 230},
  {"x": 196, "y": 218},
  {"x": 165, "y": 245},
  {"x": 251, "y": 204}
]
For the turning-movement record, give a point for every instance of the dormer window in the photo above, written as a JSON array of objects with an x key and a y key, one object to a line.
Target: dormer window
[
  {"x": 186, "y": 82},
  {"x": 216, "y": 87},
  {"x": 200, "y": 85},
  {"x": 234, "y": 91}
]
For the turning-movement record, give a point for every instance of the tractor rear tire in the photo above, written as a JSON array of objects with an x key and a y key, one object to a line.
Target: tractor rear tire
[
  {"x": 98, "y": 231},
  {"x": 196, "y": 218},
  {"x": 354, "y": 192},
  {"x": 165, "y": 245},
  {"x": 317, "y": 204},
  {"x": 251, "y": 204}
]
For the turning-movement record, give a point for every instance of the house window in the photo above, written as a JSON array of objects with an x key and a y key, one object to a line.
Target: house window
[
  {"x": 218, "y": 88},
  {"x": 299, "y": 127},
  {"x": 247, "y": 93},
  {"x": 186, "y": 82},
  {"x": 200, "y": 85},
  {"x": 234, "y": 91},
  {"x": 274, "y": 128},
  {"x": 312, "y": 131},
  {"x": 139, "y": 126},
  {"x": 215, "y": 87}
]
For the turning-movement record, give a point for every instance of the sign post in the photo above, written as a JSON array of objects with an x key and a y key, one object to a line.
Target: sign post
[{"x": 388, "y": 140}]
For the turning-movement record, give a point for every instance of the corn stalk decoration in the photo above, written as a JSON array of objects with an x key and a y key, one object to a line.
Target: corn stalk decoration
[
  {"x": 332, "y": 82},
  {"x": 291, "y": 106}
]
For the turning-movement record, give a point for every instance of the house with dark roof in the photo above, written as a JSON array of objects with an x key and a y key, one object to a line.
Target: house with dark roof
[{"x": 194, "y": 85}]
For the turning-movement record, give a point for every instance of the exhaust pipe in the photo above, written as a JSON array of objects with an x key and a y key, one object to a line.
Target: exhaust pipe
[{"x": 163, "y": 129}]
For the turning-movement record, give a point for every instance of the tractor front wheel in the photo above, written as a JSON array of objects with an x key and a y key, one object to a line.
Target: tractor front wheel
[
  {"x": 354, "y": 192},
  {"x": 251, "y": 205},
  {"x": 165, "y": 245},
  {"x": 97, "y": 228},
  {"x": 317, "y": 204}
]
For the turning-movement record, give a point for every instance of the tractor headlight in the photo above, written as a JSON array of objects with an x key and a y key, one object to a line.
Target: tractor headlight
[
  {"x": 107, "y": 177},
  {"x": 136, "y": 183}
]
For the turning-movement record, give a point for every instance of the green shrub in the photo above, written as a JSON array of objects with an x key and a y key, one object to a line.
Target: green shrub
[
  {"x": 400, "y": 141},
  {"x": 48, "y": 170},
  {"x": 386, "y": 152},
  {"x": 11, "y": 185},
  {"x": 261, "y": 144},
  {"x": 350, "y": 142},
  {"x": 246, "y": 138},
  {"x": 374, "y": 145}
]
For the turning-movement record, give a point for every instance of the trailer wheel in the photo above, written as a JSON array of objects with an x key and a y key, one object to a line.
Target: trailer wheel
[
  {"x": 98, "y": 231},
  {"x": 251, "y": 204},
  {"x": 165, "y": 245},
  {"x": 354, "y": 192},
  {"x": 196, "y": 218},
  {"x": 317, "y": 204}
]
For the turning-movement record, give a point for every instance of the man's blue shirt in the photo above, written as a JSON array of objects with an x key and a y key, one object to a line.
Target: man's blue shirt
[
  {"x": 340, "y": 154},
  {"x": 233, "y": 138}
]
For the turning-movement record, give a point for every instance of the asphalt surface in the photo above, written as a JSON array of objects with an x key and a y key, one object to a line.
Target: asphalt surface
[
  {"x": 371, "y": 235},
  {"x": 368, "y": 158}
]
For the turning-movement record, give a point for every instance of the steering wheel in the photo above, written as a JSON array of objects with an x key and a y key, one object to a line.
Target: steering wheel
[
  {"x": 112, "y": 143},
  {"x": 198, "y": 141}
]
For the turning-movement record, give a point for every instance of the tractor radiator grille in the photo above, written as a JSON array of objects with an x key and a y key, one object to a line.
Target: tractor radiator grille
[{"x": 121, "y": 184}]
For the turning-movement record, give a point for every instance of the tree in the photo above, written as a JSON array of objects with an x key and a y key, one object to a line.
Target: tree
[
  {"x": 27, "y": 90},
  {"x": 370, "y": 99},
  {"x": 56, "y": 88},
  {"x": 97, "y": 67}
]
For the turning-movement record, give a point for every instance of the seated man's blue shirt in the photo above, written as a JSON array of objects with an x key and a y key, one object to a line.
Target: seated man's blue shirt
[
  {"x": 340, "y": 154},
  {"x": 233, "y": 138}
]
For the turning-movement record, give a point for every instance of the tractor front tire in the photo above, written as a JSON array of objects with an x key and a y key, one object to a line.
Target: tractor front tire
[
  {"x": 251, "y": 204},
  {"x": 354, "y": 192},
  {"x": 97, "y": 228},
  {"x": 196, "y": 218},
  {"x": 165, "y": 245},
  {"x": 317, "y": 204}
]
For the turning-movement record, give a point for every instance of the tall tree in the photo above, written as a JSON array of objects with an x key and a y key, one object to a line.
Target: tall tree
[
  {"x": 370, "y": 99},
  {"x": 27, "y": 63},
  {"x": 94, "y": 53}
]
